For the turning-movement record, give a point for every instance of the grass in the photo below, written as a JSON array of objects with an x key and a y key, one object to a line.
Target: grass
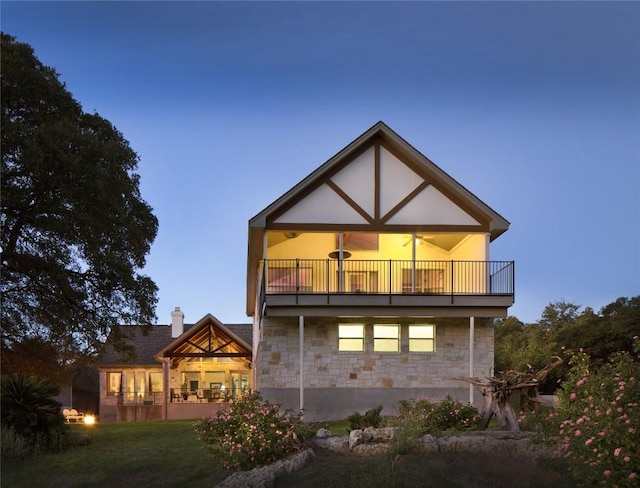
[
  {"x": 450, "y": 469},
  {"x": 159, "y": 454},
  {"x": 167, "y": 454}
]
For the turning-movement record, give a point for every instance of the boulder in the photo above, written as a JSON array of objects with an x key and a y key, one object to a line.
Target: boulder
[{"x": 323, "y": 433}]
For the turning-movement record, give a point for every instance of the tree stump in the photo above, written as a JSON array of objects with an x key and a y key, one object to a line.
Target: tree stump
[{"x": 497, "y": 390}]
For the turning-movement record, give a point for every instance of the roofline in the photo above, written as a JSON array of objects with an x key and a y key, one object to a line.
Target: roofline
[
  {"x": 195, "y": 328},
  {"x": 378, "y": 129}
]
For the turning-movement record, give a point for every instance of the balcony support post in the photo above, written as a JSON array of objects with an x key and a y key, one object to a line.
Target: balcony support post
[
  {"x": 471, "y": 348},
  {"x": 413, "y": 263},
  {"x": 301, "y": 330}
]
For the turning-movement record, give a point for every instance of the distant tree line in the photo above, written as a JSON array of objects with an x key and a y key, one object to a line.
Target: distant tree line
[{"x": 563, "y": 326}]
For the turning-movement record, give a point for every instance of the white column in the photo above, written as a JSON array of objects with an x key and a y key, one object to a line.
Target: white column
[
  {"x": 301, "y": 328},
  {"x": 471, "y": 341},
  {"x": 166, "y": 386},
  {"x": 414, "y": 239},
  {"x": 340, "y": 258}
]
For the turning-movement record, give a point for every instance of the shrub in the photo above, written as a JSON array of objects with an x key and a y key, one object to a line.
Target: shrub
[
  {"x": 371, "y": 418},
  {"x": 13, "y": 445},
  {"x": 29, "y": 413},
  {"x": 598, "y": 420},
  {"x": 251, "y": 432},
  {"x": 447, "y": 414}
]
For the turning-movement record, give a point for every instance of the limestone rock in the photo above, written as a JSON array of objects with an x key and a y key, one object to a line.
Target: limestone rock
[
  {"x": 323, "y": 433},
  {"x": 265, "y": 476}
]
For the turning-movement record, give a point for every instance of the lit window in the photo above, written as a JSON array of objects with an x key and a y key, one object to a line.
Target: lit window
[
  {"x": 351, "y": 337},
  {"x": 113, "y": 383},
  {"x": 422, "y": 338},
  {"x": 386, "y": 338},
  {"x": 155, "y": 383}
]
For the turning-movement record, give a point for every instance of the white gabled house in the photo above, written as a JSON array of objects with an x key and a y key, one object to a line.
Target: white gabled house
[{"x": 371, "y": 282}]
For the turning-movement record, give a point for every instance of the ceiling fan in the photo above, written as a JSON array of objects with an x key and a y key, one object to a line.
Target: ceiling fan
[{"x": 424, "y": 238}]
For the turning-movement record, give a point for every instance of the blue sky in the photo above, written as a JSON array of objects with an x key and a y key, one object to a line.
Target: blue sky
[{"x": 534, "y": 107}]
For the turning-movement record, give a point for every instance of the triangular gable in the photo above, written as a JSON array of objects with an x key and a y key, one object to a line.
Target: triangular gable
[
  {"x": 207, "y": 338},
  {"x": 379, "y": 182}
]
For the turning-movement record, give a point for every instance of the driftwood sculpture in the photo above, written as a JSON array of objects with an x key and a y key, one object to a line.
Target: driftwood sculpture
[{"x": 497, "y": 390}]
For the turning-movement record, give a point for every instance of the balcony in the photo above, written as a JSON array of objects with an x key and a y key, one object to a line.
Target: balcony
[{"x": 386, "y": 287}]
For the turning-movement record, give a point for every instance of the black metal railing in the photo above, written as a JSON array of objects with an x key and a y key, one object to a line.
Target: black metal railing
[
  {"x": 140, "y": 398},
  {"x": 297, "y": 276}
]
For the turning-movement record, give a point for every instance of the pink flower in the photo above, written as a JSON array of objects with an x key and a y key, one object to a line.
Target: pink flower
[
  {"x": 573, "y": 396},
  {"x": 633, "y": 475},
  {"x": 617, "y": 451},
  {"x": 607, "y": 472},
  {"x": 578, "y": 433},
  {"x": 588, "y": 441},
  {"x": 627, "y": 459}
]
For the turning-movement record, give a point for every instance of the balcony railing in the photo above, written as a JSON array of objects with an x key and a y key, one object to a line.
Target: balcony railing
[{"x": 319, "y": 276}]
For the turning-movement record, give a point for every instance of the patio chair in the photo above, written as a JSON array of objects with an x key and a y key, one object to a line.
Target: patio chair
[
  {"x": 71, "y": 415},
  {"x": 203, "y": 397},
  {"x": 175, "y": 397}
]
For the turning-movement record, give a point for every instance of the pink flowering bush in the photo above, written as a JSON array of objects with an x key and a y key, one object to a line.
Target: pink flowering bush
[
  {"x": 447, "y": 414},
  {"x": 251, "y": 432},
  {"x": 598, "y": 421}
]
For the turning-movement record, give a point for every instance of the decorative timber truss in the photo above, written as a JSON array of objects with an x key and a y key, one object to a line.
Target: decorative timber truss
[{"x": 207, "y": 339}]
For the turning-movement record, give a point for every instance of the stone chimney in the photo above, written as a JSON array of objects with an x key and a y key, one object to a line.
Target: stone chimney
[{"x": 177, "y": 323}]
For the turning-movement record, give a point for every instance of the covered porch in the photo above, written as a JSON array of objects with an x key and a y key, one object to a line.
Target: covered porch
[{"x": 203, "y": 369}]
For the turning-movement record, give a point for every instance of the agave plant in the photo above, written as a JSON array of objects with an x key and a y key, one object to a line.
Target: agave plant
[{"x": 28, "y": 406}]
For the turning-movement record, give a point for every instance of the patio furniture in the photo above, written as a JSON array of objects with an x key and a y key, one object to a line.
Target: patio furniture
[
  {"x": 71, "y": 415},
  {"x": 175, "y": 396},
  {"x": 206, "y": 396}
]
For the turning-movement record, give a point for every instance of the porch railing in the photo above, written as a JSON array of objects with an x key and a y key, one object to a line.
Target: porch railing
[
  {"x": 136, "y": 398},
  {"x": 309, "y": 276}
]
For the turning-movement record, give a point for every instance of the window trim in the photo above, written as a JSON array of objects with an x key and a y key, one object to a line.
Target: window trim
[
  {"x": 421, "y": 340},
  {"x": 377, "y": 339},
  {"x": 345, "y": 338},
  {"x": 114, "y": 382}
]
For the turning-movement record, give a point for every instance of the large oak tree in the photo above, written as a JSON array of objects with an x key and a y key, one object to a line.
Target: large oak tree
[{"x": 75, "y": 229}]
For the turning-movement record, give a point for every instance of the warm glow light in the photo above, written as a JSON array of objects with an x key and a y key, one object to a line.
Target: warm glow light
[{"x": 89, "y": 419}]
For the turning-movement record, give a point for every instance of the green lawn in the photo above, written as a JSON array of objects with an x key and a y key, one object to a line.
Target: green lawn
[
  {"x": 168, "y": 454},
  {"x": 157, "y": 454}
]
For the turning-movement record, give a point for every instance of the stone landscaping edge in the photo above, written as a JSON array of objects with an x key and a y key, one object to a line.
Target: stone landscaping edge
[
  {"x": 265, "y": 476},
  {"x": 372, "y": 441}
]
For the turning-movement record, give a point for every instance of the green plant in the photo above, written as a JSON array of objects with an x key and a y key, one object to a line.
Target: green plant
[
  {"x": 13, "y": 445},
  {"x": 30, "y": 411},
  {"x": 598, "y": 420},
  {"x": 447, "y": 414},
  {"x": 407, "y": 430},
  {"x": 251, "y": 432},
  {"x": 371, "y": 418}
]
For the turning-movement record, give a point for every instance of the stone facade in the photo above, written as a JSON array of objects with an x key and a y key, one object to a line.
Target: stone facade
[{"x": 333, "y": 378}]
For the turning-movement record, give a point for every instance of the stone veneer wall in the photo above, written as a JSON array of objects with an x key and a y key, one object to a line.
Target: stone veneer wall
[{"x": 338, "y": 382}]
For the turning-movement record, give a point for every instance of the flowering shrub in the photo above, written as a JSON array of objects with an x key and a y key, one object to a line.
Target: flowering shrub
[
  {"x": 598, "y": 420},
  {"x": 251, "y": 432},
  {"x": 447, "y": 414}
]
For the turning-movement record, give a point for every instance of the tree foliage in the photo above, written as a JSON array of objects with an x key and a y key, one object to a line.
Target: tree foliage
[
  {"x": 75, "y": 229},
  {"x": 524, "y": 347}
]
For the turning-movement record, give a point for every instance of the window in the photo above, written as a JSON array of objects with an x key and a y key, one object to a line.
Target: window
[
  {"x": 351, "y": 337},
  {"x": 155, "y": 383},
  {"x": 114, "y": 381},
  {"x": 136, "y": 386},
  {"x": 425, "y": 280},
  {"x": 422, "y": 338},
  {"x": 287, "y": 280},
  {"x": 386, "y": 338}
]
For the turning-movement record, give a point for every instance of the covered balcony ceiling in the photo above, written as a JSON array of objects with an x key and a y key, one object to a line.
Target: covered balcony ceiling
[{"x": 445, "y": 241}]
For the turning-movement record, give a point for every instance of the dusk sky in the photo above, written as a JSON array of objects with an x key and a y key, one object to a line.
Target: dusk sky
[{"x": 533, "y": 107}]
